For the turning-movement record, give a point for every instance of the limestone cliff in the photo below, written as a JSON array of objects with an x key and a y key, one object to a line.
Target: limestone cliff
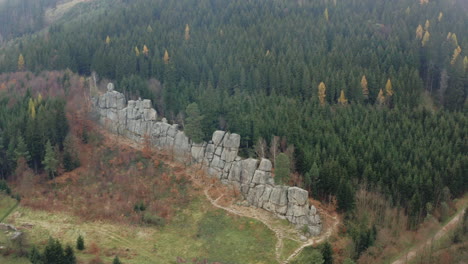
[{"x": 138, "y": 120}]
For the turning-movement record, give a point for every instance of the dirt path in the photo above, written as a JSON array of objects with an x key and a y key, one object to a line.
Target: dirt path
[
  {"x": 442, "y": 232},
  {"x": 315, "y": 240}
]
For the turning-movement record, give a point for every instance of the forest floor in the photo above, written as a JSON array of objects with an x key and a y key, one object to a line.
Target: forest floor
[{"x": 442, "y": 232}]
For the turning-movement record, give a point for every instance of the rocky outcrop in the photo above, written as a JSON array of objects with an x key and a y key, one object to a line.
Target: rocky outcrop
[{"x": 138, "y": 121}]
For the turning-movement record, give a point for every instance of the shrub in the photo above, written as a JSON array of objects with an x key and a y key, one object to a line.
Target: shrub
[
  {"x": 4, "y": 187},
  {"x": 80, "y": 243},
  {"x": 153, "y": 219},
  {"x": 116, "y": 260},
  {"x": 139, "y": 207}
]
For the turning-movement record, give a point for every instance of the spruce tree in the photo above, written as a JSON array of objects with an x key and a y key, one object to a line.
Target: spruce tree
[
  {"x": 21, "y": 150},
  {"x": 345, "y": 196},
  {"x": 80, "y": 243},
  {"x": 35, "y": 256},
  {"x": 116, "y": 260},
  {"x": 53, "y": 252},
  {"x": 50, "y": 161},
  {"x": 69, "y": 256},
  {"x": 282, "y": 169},
  {"x": 327, "y": 253},
  {"x": 193, "y": 123}
]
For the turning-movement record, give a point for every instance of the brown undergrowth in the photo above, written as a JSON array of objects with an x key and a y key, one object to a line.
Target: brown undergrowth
[{"x": 115, "y": 182}]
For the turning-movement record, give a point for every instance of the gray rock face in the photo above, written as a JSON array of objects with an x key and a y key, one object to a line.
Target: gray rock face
[{"x": 138, "y": 121}]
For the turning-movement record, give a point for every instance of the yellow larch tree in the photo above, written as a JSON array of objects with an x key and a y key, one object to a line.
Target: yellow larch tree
[
  {"x": 454, "y": 39},
  {"x": 32, "y": 108},
  {"x": 465, "y": 63},
  {"x": 20, "y": 62},
  {"x": 149, "y": 29},
  {"x": 3, "y": 87},
  {"x": 108, "y": 40},
  {"x": 322, "y": 93},
  {"x": 166, "y": 57},
  {"x": 381, "y": 97},
  {"x": 419, "y": 32},
  {"x": 365, "y": 89},
  {"x": 145, "y": 50},
  {"x": 137, "y": 51},
  {"x": 342, "y": 100},
  {"x": 425, "y": 39},
  {"x": 325, "y": 14},
  {"x": 389, "y": 88},
  {"x": 267, "y": 53},
  {"x": 187, "y": 32},
  {"x": 426, "y": 25},
  {"x": 456, "y": 53},
  {"x": 441, "y": 15}
]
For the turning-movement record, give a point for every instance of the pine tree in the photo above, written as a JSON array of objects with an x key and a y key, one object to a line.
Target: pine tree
[
  {"x": 187, "y": 32},
  {"x": 419, "y": 32},
  {"x": 53, "y": 252},
  {"x": 50, "y": 161},
  {"x": 342, "y": 100},
  {"x": 314, "y": 257},
  {"x": 166, "y": 57},
  {"x": 345, "y": 196},
  {"x": 69, "y": 256},
  {"x": 381, "y": 97},
  {"x": 20, "y": 62},
  {"x": 322, "y": 93},
  {"x": 389, "y": 88},
  {"x": 282, "y": 169},
  {"x": 327, "y": 253},
  {"x": 193, "y": 123},
  {"x": 116, "y": 260},
  {"x": 365, "y": 89},
  {"x": 80, "y": 243},
  {"x": 21, "y": 150},
  {"x": 35, "y": 256}
]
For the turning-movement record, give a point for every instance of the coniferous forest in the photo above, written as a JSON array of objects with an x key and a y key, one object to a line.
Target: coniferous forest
[{"x": 367, "y": 92}]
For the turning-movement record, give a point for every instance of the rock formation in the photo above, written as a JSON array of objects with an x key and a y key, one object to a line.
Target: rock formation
[{"x": 138, "y": 121}]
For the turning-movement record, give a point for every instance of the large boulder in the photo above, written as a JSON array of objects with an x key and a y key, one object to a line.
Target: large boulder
[
  {"x": 248, "y": 170},
  {"x": 218, "y": 137},
  {"x": 265, "y": 165},
  {"x": 297, "y": 196}
]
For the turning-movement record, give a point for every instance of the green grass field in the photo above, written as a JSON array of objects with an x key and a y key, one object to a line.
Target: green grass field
[
  {"x": 198, "y": 232},
  {"x": 7, "y": 204}
]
